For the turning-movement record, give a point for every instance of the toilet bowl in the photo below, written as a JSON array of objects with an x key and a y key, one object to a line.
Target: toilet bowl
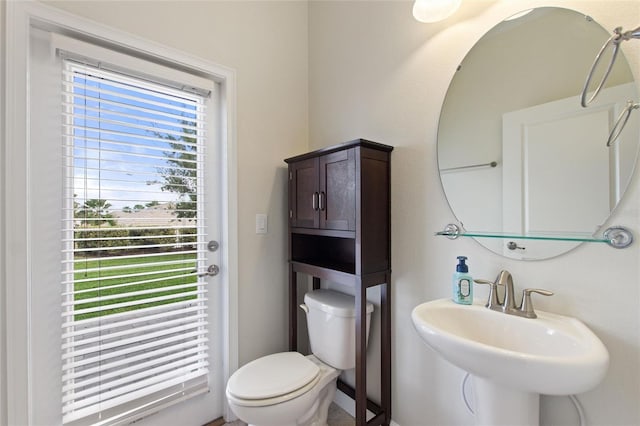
[
  {"x": 290, "y": 389},
  {"x": 301, "y": 396}
]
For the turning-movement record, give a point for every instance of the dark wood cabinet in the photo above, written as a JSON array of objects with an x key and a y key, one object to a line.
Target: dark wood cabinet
[
  {"x": 340, "y": 231},
  {"x": 323, "y": 192}
]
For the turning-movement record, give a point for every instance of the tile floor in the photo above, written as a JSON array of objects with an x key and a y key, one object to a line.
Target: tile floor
[{"x": 337, "y": 417}]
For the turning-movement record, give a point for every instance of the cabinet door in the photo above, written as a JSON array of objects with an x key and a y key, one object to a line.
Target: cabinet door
[
  {"x": 337, "y": 199},
  {"x": 304, "y": 194}
]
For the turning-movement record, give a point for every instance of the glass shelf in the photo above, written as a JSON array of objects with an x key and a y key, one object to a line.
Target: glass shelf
[{"x": 617, "y": 236}]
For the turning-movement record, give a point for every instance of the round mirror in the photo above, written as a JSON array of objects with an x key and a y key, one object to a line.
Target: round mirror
[{"x": 517, "y": 154}]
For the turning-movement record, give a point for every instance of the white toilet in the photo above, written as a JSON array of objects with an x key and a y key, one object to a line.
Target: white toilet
[{"x": 289, "y": 389}]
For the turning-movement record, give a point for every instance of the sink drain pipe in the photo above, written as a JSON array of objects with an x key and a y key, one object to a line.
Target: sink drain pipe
[{"x": 574, "y": 400}]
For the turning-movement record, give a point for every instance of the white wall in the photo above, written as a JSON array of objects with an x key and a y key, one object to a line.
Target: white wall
[
  {"x": 266, "y": 43},
  {"x": 376, "y": 73}
]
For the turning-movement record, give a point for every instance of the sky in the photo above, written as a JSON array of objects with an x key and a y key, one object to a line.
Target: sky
[{"x": 120, "y": 128}]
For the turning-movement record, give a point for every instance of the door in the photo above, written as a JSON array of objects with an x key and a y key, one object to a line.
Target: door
[
  {"x": 304, "y": 194},
  {"x": 337, "y": 198},
  {"x": 126, "y": 321}
]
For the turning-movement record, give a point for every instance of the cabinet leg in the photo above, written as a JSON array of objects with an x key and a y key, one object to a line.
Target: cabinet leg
[
  {"x": 361, "y": 355},
  {"x": 293, "y": 311},
  {"x": 385, "y": 355}
]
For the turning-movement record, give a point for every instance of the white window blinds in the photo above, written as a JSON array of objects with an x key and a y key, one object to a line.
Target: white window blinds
[{"x": 134, "y": 334}]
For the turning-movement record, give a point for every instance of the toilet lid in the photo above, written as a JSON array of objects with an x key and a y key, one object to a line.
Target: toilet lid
[{"x": 272, "y": 376}]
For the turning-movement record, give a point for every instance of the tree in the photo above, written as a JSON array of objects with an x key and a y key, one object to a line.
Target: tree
[
  {"x": 95, "y": 212},
  {"x": 180, "y": 174}
]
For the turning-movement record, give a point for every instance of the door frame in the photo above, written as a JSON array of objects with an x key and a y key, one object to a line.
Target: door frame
[{"x": 15, "y": 253}]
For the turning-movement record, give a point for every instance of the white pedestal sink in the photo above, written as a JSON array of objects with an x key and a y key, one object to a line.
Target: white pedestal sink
[{"x": 512, "y": 359}]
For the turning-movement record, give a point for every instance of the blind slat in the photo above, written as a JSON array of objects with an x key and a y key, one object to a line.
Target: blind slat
[
  {"x": 176, "y": 226},
  {"x": 196, "y": 316},
  {"x": 99, "y": 249},
  {"x": 114, "y": 136},
  {"x": 101, "y": 278},
  {"x": 125, "y": 392},
  {"x": 72, "y": 413},
  {"x": 136, "y": 237},
  {"x": 145, "y": 405},
  {"x": 125, "y": 117},
  {"x": 108, "y": 362},
  {"x": 114, "y": 380},
  {"x": 138, "y": 256},
  {"x": 152, "y": 291},
  {"x": 140, "y": 302},
  {"x": 129, "y": 145},
  {"x": 103, "y": 151},
  {"x": 107, "y": 125},
  {"x": 178, "y": 342},
  {"x": 132, "y": 322},
  {"x": 79, "y": 74},
  {"x": 112, "y": 105},
  {"x": 109, "y": 88},
  {"x": 140, "y": 265},
  {"x": 123, "y": 365}
]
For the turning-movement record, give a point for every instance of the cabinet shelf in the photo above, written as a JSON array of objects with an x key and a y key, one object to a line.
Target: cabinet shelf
[
  {"x": 339, "y": 276},
  {"x": 339, "y": 273},
  {"x": 617, "y": 236},
  {"x": 347, "y": 268},
  {"x": 324, "y": 232}
]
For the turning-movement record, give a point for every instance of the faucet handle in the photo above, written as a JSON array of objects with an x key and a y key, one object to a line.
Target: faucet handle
[
  {"x": 492, "y": 302},
  {"x": 527, "y": 304}
]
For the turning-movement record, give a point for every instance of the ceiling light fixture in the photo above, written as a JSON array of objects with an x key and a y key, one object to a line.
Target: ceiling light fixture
[{"x": 429, "y": 11}]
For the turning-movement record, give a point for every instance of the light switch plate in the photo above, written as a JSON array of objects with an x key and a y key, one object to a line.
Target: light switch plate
[{"x": 261, "y": 223}]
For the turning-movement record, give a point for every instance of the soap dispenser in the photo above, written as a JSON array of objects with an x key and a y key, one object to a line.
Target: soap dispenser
[{"x": 462, "y": 283}]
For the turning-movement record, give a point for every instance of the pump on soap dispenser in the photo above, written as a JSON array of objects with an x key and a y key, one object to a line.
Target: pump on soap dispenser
[{"x": 462, "y": 283}]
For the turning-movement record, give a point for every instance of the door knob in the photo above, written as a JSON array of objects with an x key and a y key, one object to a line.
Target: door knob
[{"x": 212, "y": 271}]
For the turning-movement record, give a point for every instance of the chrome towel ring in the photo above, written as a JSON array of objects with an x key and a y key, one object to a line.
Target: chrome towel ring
[
  {"x": 613, "y": 42},
  {"x": 621, "y": 121}
]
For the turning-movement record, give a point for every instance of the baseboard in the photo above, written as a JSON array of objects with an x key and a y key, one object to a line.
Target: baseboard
[{"x": 349, "y": 405}]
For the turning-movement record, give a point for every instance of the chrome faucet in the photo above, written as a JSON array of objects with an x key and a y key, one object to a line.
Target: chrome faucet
[
  {"x": 505, "y": 279},
  {"x": 508, "y": 305}
]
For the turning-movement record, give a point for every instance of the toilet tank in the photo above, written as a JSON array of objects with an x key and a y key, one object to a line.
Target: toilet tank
[{"x": 331, "y": 321}]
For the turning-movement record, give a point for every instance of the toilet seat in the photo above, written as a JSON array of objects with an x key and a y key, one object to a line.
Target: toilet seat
[{"x": 273, "y": 379}]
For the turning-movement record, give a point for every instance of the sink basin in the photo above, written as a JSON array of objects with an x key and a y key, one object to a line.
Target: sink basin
[{"x": 552, "y": 354}]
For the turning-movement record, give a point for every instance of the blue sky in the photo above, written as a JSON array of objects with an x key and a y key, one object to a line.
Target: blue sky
[{"x": 119, "y": 137}]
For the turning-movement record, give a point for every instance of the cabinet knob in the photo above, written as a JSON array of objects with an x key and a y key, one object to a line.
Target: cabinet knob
[{"x": 315, "y": 200}]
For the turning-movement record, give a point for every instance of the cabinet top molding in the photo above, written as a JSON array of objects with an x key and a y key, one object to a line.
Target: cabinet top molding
[{"x": 356, "y": 142}]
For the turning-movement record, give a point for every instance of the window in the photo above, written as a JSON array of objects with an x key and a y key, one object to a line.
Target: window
[{"x": 134, "y": 331}]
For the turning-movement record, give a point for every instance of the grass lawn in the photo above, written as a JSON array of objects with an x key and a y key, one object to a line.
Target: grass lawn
[{"x": 122, "y": 276}]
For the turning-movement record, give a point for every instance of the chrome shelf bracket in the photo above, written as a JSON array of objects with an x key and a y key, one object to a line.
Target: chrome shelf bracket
[
  {"x": 618, "y": 237},
  {"x": 452, "y": 231}
]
